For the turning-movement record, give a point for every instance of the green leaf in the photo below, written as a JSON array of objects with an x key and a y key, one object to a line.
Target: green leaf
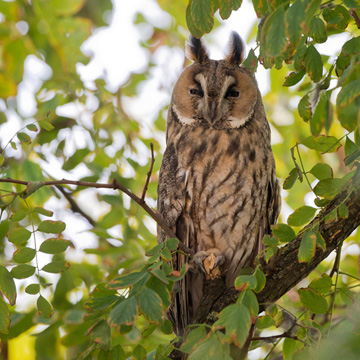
[
  {"x": 2, "y": 159},
  {"x": 4, "y": 317},
  {"x": 160, "y": 288},
  {"x": 127, "y": 280},
  {"x": 124, "y": 312},
  {"x": 260, "y": 279},
  {"x": 42, "y": 211},
  {"x": 313, "y": 301},
  {"x": 7, "y": 285},
  {"x": 261, "y": 7},
  {"x": 343, "y": 211},
  {"x": 24, "y": 138},
  {"x": 54, "y": 246},
  {"x": 100, "y": 303},
  {"x": 307, "y": 246},
  {"x": 66, "y": 7},
  {"x": 294, "y": 77},
  {"x": 13, "y": 145},
  {"x": 32, "y": 127},
  {"x": 351, "y": 47},
  {"x": 160, "y": 274},
  {"x": 353, "y": 4},
  {"x": 273, "y": 33},
  {"x": 24, "y": 255},
  {"x": 166, "y": 254},
  {"x": 236, "y": 321},
  {"x": 313, "y": 64},
  {"x": 45, "y": 125},
  {"x": 249, "y": 299},
  {"x": 51, "y": 227},
  {"x": 318, "y": 30},
  {"x": 348, "y": 94},
  {"x": 195, "y": 31},
  {"x": 172, "y": 243},
  {"x": 304, "y": 108},
  {"x": 100, "y": 333},
  {"x": 270, "y": 241},
  {"x": 151, "y": 305},
  {"x": 264, "y": 322},
  {"x": 291, "y": 179},
  {"x": 243, "y": 282},
  {"x": 56, "y": 267},
  {"x": 201, "y": 11},
  {"x": 117, "y": 352},
  {"x": 193, "y": 338},
  {"x": 22, "y": 271},
  {"x": 227, "y": 6},
  {"x": 321, "y": 113},
  {"x": 322, "y": 171},
  {"x": 32, "y": 289},
  {"x": 290, "y": 347},
  {"x": 320, "y": 242},
  {"x": 139, "y": 353},
  {"x": 251, "y": 61},
  {"x": 328, "y": 187},
  {"x": 337, "y": 16},
  {"x": 321, "y": 285},
  {"x": 346, "y": 295},
  {"x": 19, "y": 215},
  {"x": 301, "y": 216},
  {"x": 44, "y": 308},
  {"x": 155, "y": 250},
  {"x": 294, "y": 20},
  {"x": 284, "y": 233},
  {"x": 322, "y": 143},
  {"x": 18, "y": 236}
]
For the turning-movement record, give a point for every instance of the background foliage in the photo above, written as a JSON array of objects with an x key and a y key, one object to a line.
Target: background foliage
[{"x": 60, "y": 263}]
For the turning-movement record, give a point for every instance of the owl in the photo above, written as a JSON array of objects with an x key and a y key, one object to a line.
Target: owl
[{"x": 217, "y": 189}]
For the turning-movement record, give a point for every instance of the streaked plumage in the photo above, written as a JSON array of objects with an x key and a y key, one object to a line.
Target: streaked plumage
[{"x": 217, "y": 186}]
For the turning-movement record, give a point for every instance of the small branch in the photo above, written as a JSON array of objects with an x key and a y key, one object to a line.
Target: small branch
[
  {"x": 149, "y": 173},
  {"x": 356, "y": 17},
  {"x": 74, "y": 206},
  {"x": 116, "y": 185}
]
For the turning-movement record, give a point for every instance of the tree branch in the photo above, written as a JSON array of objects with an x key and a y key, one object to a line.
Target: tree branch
[{"x": 116, "y": 185}]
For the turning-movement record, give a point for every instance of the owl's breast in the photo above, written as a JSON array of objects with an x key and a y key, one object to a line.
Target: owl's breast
[{"x": 226, "y": 177}]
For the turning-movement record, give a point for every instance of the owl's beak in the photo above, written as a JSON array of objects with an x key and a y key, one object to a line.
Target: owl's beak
[{"x": 212, "y": 110}]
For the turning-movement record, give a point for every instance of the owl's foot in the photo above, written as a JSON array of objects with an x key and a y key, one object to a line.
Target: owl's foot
[{"x": 209, "y": 262}]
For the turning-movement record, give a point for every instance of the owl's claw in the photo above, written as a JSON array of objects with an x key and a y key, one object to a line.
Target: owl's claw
[{"x": 208, "y": 261}]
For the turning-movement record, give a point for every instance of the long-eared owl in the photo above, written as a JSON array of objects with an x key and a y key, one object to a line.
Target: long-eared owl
[{"x": 217, "y": 187}]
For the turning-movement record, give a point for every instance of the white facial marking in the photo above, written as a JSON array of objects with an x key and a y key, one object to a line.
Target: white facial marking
[
  {"x": 230, "y": 80},
  {"x": 238, "y": 122},
  {"x": 184, "y": 120}
]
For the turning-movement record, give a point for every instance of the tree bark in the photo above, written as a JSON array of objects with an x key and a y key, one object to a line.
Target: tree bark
[{"x": 285, "y": 271}]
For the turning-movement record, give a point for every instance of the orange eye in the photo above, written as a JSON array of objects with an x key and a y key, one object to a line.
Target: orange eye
[{"x": 232, "y": 93}]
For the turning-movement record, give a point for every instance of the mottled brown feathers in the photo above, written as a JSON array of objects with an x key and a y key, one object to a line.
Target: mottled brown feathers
[{"x": 217, "y": 186}]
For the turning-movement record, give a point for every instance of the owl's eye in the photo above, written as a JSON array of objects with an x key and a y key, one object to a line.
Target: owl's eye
[
  {"x": 197, "y": 92},
  {"x": 232, "y": 93}
]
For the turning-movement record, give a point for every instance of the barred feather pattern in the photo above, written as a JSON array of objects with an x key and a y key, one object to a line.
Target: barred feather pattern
[{"x": 217, "y": 185}]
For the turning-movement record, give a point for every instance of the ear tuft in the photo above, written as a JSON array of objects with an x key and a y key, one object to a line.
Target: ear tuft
[
  {"x": 196, "y": 51},
  {"x": 237, "y": 50}
]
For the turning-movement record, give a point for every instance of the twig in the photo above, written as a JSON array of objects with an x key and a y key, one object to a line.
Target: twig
[
  {"x": 149, "y": 173},
  {"x": 74, "y": 206},
  {"x": 356, "y": 18},
  {"x": 116, "y": 185}
]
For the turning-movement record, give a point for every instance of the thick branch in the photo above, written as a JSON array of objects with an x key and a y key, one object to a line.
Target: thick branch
[{"x": 116, "y": 185}]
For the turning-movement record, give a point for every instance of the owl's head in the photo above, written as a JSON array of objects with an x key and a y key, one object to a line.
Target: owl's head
[{"x": 215, "y": 93}]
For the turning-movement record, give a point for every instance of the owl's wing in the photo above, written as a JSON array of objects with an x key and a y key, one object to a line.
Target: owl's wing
[
  {"x": 273, "y": 207},
  {"x": 171, "y": 192}
]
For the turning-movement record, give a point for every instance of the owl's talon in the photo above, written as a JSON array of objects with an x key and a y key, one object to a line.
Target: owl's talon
[
  {"x": 219, "y": 260},
  {"x": 199, "y": 262}
]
